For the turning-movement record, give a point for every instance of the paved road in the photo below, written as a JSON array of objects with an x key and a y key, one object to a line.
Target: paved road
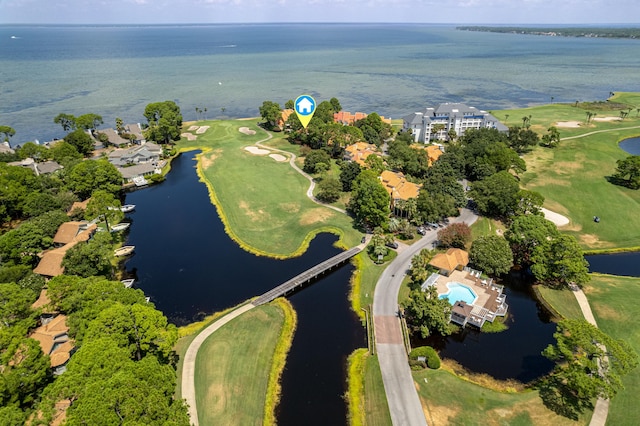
[{"x": 404, "y": 404}]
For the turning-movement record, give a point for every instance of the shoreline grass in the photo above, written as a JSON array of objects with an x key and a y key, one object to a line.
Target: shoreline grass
[
  {"x": 355, "y": 387},
  {"x": 280, "y": 353}
]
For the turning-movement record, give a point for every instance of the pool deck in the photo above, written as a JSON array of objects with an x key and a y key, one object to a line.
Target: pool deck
[{"x": 484, "y": 293}]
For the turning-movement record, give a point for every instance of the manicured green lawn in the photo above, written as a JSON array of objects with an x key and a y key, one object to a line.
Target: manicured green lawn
[
  {"x": 563, "y": 301},
  {"x": 232, "y": 368},
  {"x": 452, "y": 401},
  {"x": 262, "y": 202},
  {"x": 376, "y": 407},
  {"x": 573, "y": 176},
  {"x": 614, "y": 302}
]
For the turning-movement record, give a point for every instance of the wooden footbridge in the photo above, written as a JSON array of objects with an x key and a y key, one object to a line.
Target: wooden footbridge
[{"x": 307, "y": 276}]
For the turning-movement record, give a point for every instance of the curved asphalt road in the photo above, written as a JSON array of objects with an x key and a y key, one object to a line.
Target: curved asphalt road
[{"x": 404, "y": 404}]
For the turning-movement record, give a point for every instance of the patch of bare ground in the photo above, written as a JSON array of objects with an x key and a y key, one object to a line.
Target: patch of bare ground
[
  {"x": 606, "y": 119},
  {"x": 441, "y": 414},
  {"x": 290, "y": 207},
  {"x": 316, "y": 215},
  {"x": 592, "y": 241},
  {"x": 548, "y": 180},
  {"x": 208, "y": 158},
  {"x": 609, "y": 313},
  {"x": 568, "y": 124},
  {"x": 254, "y": 215}
]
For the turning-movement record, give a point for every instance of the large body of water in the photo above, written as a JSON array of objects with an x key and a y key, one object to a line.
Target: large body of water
[{"x": 394, "y": 69}]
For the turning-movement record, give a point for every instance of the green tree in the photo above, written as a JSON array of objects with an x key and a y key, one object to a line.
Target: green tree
[
  {"x": 526, "y": 233},
  {"x": 419, "y": 271},
  {"x": 529, "y": 202},
  {"x": 427, "y": 314},
  {"x": 497, "y": 195},
  {"x": 628, "y": 171},
  {"x": 374, "y": 163},
  {"x": 329, "y": 189},
  {"x": 32, "y": 150},
  {"x": 491, "y": 254},
  {"x": 89, "y": 121},
  {"x": 67, "y": 121},
  {"x": 454, "y": 235},
  {"x": 37, "y": 203},
  {"x": 12, "y": 415},
  {"x": 15, "y": 304},
  {"x": 559, "y": 262},
  {"x": 64, "y": 153},
  {"x": 551, "y": 139},
  {"x": 81, "y": 141},
  {"x": 521, "y": 139},
  {"x": 92, "y": 258},
  {"x": 16, "y": 184},
  {"x": 349, "y": 172},
  {"x": 105, "y": 205},
  {"x": 369, "y": 200},
  {"x": 270, "y": 112},
  {"x": 7, "y": 133},
  {"x": 433, "y": 207},
  {"x": 335, "y": 104},
  {"x": 164, "y": 122},
  {"x": 314, "y": 158},
  {"x": 140, "y": 328},
  {"x": 590, "y": 364},
  {"x": 87, "y": 176},
  {"x": 24, "y": 372}
]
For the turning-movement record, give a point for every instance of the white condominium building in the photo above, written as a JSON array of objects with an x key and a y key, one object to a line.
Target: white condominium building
[{"x": 456, "y": 116}]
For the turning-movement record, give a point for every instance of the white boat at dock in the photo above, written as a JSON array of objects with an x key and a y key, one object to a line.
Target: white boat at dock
[
  {"x": 124, "y": 250},
  {"x": 120, "y": 227},
  {"x": 128, "y": 283},
  {"x": 128, "y": 208}
]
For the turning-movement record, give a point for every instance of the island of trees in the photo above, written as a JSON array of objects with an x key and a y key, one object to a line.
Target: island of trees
[{"x": 629, "y": 32}]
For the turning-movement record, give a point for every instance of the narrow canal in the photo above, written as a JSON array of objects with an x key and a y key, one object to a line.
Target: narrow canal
[{"x": 190, "y": 268}]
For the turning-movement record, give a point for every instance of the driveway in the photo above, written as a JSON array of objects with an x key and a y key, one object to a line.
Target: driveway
[{"x": 402, "y": 397}]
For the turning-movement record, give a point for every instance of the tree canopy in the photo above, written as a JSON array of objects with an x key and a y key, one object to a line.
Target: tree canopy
[
  {"x": 90, "y": 175},
  {"x": 491, "y": 254},
  {"x": 527, "y": 232},
  {"x": 427, "y": 314},
  {"x": 496, "y": 196},
  {"x": 590, "y": 364},
  {"x": 369, "y": 200},
  {"x": 628, "y": 171},
  {"x": 164, "y": 122},
  {"x": 81, "y": 141},
  {"x": 559, "y": 262}
]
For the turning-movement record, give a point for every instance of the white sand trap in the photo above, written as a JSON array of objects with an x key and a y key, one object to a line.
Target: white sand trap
[
  {"x": 202, "y": 129},
  {"x": 606, "y": 119},
  {"x": 278, "y": 157},
  {"x": 189, "y": 136},
  {"x": 192, "y": 128},
  {"x": 247, "y": 131},
  {"x": 572, "y": 124},
  {"x": 255, "y": 150},
  {"x": 554, "y": 217}
]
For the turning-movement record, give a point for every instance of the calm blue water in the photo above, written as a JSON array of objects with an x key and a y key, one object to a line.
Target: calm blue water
[
  {"x": 631, "y": 146},
  {"x": 459, "y": 292},
  {"x": 392, "y": 69}
]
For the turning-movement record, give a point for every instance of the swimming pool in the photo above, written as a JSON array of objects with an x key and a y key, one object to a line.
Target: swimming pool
[{"x": 458, "y": 292}]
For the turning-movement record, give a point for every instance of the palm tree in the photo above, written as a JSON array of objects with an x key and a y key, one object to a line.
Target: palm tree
[
  {"x": 637, "y": 112},
  {"x": 205, "y": 113},
  {"x": 197, "y": 112},
  {"x": 576, "y": 104},
  {"x": 552, "y": 98},
  {"x": 506, "y": 117}
]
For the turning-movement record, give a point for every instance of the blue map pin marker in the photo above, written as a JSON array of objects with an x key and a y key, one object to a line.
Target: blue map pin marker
[{"x": 305, "y": 106}]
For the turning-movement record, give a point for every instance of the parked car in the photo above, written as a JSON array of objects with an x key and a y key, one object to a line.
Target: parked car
[{"x": 392, "y": 244}]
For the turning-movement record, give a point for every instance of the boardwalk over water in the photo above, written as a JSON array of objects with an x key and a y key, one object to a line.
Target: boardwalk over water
[{"x": 307, "y": 276}]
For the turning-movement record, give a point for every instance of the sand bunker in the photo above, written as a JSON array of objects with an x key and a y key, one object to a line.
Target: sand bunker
[
  {"x": 255, "y": 150},
  {"x": 572, "y": 124},
  {"x": 202, "y": 129},
  {"x": 189, "y": 136},
  {"x": 554, "y": 217},
  {"x": 278, "y": 157},
  {"x": 247, "y": 131},
  {"x": 606, "y": 119},
  {"x": 192, "y": 128}
]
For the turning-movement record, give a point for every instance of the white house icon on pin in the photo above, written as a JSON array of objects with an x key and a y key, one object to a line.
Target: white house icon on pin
[{"x": 304, "y": 106}]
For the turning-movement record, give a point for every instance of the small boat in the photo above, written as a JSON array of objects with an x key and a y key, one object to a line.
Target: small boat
[
  {"x": 128, "y": 208},
  {"x": 124, "y": 251},
  {"x": 128, "y": 283},
  {"x": 120, "y": 227},
  {"x": 148, "y": 299}
]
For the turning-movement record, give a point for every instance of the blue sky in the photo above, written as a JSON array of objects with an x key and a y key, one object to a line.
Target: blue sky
[{"x": 250, "y": 11}]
